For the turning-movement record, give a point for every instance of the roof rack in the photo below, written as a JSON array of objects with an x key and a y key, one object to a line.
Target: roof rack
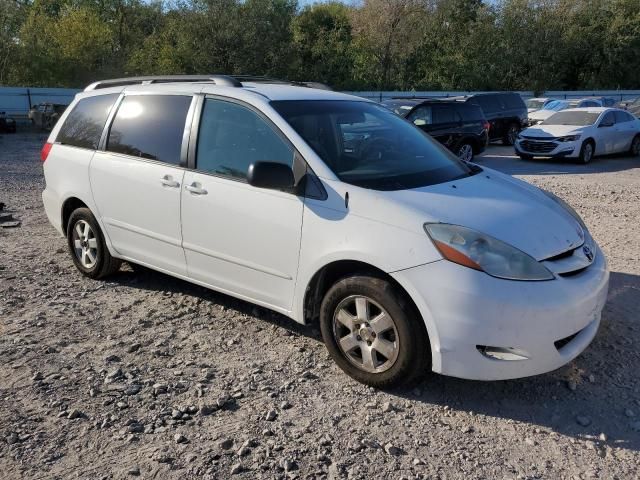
[{"x": 222, "y": 80}]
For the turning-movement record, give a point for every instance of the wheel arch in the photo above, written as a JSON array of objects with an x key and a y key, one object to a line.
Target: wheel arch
[
  {"x": 330, "y": 273},
  {"x": 68, "y": 206}
]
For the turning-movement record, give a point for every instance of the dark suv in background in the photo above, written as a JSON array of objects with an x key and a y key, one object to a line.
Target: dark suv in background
[
  {"x": 459, "y": 126},
  {"x": 505, "y": 111}
]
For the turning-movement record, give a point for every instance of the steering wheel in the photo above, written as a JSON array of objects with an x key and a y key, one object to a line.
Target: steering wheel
[{"x": 375, "y": 148}]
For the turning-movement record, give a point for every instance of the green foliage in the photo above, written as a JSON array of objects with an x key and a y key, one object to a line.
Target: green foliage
[{"x": 378, "y": 44}]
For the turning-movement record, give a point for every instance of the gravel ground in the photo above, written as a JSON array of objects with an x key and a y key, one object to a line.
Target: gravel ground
[{"x": 144, "y": 375}]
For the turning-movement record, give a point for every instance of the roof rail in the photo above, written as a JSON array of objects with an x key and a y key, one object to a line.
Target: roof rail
[{"x": 222, "y": 80}]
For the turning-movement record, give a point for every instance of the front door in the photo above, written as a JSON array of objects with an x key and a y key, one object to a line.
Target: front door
[
  {"x": 237, "y": 238},
  {"x": 136, "y": 182}
]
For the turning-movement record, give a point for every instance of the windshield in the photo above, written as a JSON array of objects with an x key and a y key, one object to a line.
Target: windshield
[
  {"x": 366, "y": 145},
  {"x": 578, "y": 119},
  {"x": 556, "y": 105},
  {"x": 535, "y": 103}
]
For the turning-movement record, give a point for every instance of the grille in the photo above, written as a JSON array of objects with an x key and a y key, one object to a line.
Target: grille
[{"x": 537, "y": 146}]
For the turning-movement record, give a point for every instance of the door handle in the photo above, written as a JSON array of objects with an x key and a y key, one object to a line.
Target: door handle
[
  {"x": 168, "y": 181},
  {"x": 196, "y": 189}
]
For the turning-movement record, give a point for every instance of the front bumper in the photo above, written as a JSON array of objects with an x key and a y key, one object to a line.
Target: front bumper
[
  {"x": 547, "y": 148},
  {"x": 550, "y": 322}
]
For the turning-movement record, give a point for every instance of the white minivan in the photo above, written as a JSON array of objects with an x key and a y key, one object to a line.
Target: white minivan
[{"x": 327, "y": 208}]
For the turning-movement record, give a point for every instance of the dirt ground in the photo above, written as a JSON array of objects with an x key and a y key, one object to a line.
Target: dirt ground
[{"x": 146, "y": 376}]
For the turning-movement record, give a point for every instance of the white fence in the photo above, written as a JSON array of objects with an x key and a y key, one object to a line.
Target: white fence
[
  {"x": 16, "y": 101},
  {"x": 618, "y": 95}
]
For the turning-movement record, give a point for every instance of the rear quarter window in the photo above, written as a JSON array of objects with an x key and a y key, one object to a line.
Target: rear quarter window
[
  {"x": 83, "y": 127},
  {"x": 513, "y": 100},
  {"x": 488, "y": 103}
]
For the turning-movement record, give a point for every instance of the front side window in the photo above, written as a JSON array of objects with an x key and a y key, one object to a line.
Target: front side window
[
  {"x": 150, "y": 126},
  {"x": 367, "y": 145},
  {"x": 232, "y": 137},
  {"x": 608, "y": 119},
  {"x": 83, "y": 127},
  {"x": 421, "y": 116}
]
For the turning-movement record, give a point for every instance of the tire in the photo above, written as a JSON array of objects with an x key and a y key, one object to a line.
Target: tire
[
  {"x": 87, "y": 247},
  {"x": 634, "y": 150},
  {"x": 407, "y": 353},
  {"x": 586, "y": 152},
  {"x": 464, "y": 151},
  {"x": 512, "y": 132}
]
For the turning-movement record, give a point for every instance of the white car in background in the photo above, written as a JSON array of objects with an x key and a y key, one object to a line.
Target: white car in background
[
  {"x": 537, "y": 103},
  {"x": 558, "y": 105},
  {"x": 581, "y": 133}
]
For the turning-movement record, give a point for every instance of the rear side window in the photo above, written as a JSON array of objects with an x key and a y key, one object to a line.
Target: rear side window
[
  {"x": 442, "y": 114},
  {"x": 622, "y": 117},
  {"x": 488, "y": 103},
  {"x": 232, "y": 137},
  {"x": 150, "y": 126},
  {"x": 83, "y": 127},
  {"x": 470, "y": 112},
  {"x": 513, "y": 100}
]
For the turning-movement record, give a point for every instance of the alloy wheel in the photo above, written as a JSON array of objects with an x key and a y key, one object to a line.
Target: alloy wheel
[
  {"x": 512, "y": 134},
  {"x": 85, "y": 244},
  {"x": 366, "y": 334},
  {"x": 465, "y": 153},
  {"x": 635, "y": 147},
  {"x": 588, "y": 153}
]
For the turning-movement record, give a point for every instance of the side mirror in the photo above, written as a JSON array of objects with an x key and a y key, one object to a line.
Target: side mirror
[
  {"x": 271, "y": 175},
  {"x": 604, "y": 125}
]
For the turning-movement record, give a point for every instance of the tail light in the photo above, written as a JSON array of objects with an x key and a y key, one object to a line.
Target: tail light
[
  {"x": 44, "y": 153},
  {"x": 486, "y": 126}
]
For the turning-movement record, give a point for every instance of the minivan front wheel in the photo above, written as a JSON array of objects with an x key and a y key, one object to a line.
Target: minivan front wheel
[
  {"x": 87, "y": 247},
  {"x": 372, "y": 333}
]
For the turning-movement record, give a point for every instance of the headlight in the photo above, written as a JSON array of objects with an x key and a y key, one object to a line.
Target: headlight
[
  {"x": 569, "y": 138},
  {"x": 567, "y": 207},
  {"x": 476, "y": 250}
]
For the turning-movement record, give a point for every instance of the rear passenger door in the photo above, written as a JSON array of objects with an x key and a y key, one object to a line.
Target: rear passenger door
[
  {"x": 136, "y": 180},
  {"x": 605, "y": 143},
  {"x": 238, "y": 238},
  {"x": 625, "y": 131}
]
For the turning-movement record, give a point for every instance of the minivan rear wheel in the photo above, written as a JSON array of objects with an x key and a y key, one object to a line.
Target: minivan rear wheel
[
  {"x": 87, "y": 247},
  {"x": 373, "y": 333}
]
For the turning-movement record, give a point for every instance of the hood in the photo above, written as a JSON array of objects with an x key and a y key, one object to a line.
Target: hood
[
  {"x": 549, "y": 131},
  {"x": 496, "y": 204},
  {"x": 541, "y": 114}
]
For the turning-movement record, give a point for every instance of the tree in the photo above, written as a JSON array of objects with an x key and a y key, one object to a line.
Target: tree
[{"x": 322, "y": 42}]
